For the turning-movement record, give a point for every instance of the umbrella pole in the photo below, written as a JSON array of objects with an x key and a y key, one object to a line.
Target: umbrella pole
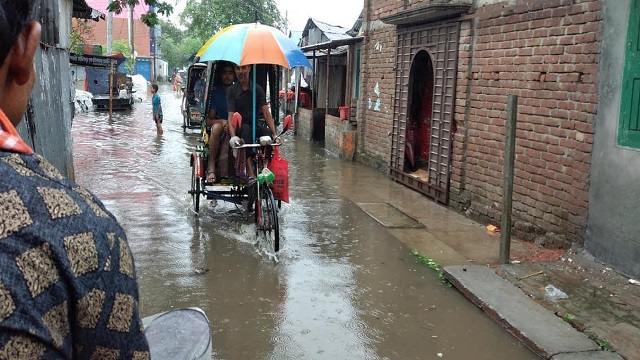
[{"x": 253, "y": 128}]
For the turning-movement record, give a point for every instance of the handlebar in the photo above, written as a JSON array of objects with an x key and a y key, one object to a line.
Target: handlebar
[
  {"x": 247, "y": 146},
  {"x": 262, "y": 141}
]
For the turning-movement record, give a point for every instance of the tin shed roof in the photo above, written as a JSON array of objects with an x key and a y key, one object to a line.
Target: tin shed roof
[
  {"x": 332, "y": 32},
  {"x": 83, "y": 11}
]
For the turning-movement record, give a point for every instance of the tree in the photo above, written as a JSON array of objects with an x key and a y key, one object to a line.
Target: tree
[
  {"x": 121, "y": 46},
  {"x": 204, "y": 18},
  {"x": 150, "y": 18},
  {"x": 170, "y": 31},
  {"x": 177, "y": 47},
  {"x": 80, "y": 33}
]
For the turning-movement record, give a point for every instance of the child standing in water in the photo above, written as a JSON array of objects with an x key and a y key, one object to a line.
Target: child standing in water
[{"x": 157, "y": 108}]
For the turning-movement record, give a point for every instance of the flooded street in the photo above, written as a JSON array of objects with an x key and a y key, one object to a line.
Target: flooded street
[{"x": 344, "y": 287}]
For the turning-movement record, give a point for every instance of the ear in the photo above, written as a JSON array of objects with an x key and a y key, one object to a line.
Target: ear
[{"x": 23, "y": 52}]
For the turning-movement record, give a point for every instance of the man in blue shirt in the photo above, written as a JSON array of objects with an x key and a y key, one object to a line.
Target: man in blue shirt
[
  {"x": 157, "y": 108},
  {"x": 217, "y": 116}
]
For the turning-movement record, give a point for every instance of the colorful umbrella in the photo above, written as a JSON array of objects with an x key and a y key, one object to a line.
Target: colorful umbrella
[
  {"x": 254, "y": 43},
  {"x": 251, "y": 44}
]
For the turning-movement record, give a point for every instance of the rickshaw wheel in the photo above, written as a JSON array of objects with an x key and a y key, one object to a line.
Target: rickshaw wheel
[
  {"x": 267, "y": 224},
  {"x": 195, "y": 190}
]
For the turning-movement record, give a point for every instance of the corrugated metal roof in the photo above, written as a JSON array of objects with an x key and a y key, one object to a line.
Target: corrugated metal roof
[
  {"x": 332, "y": 32},
  {"x": 83, "y": 11},
  {"x": 355, "y": 29}
]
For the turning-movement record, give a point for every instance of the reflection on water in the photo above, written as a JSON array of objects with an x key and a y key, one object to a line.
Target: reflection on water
[{"x": 344, "y": 288}]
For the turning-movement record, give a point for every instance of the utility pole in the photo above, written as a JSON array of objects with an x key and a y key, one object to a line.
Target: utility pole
[
  {"x": 133, "y": 58},
  {"x": 154, "y": 45},
  {"x": 109, "y": 30},
  {"x": 285, "y": 72}
]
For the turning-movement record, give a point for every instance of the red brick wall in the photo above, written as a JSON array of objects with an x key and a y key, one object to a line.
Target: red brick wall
[
  {"x": 382, "y": 8},
  {"x": 304, "y": 123},
  {"x": 120, "y": 31},
  {"x": 333, "y": 127},
  {"x": 546, "y": 53},
  {"x": 377, "y": 64}
]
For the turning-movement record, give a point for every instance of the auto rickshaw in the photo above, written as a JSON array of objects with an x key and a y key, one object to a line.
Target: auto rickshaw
[{"x": 193, "y": 99}]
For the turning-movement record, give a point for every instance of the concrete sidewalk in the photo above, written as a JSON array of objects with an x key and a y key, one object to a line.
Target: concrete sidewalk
[{"x": 600, "y": 318}]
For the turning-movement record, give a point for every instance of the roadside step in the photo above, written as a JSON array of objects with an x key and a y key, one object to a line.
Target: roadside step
[{"x": 536, "y": 327}]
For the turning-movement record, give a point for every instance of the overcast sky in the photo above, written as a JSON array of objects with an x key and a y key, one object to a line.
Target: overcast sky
[{"x": 334, "y": 12}]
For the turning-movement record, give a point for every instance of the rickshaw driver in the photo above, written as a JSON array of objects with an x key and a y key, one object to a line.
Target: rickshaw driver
[
  {"x": 240, "y": 99},
  {"x": 216, "y": 120}
]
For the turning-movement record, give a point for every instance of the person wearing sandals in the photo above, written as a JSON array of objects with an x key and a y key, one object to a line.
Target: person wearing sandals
[
  {"x": 216, "y": 117},
  {"x": 240, "y": 99}
]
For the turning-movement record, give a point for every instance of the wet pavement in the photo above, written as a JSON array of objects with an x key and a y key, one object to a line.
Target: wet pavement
[{"x": 345, "y": 285}]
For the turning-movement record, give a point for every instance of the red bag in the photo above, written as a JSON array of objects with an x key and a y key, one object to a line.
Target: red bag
[{"x": 280, "y": 168}]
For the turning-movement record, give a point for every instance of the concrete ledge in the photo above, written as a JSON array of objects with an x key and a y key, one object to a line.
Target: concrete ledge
[
  {"x": 591, "y": 355},
  {"x": 540, "y": 330}
]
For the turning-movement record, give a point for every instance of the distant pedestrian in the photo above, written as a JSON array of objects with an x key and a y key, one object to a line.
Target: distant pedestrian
[{"x": 157, "y": 108}]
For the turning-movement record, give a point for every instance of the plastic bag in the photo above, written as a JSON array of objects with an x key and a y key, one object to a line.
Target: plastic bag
[
  {"x": 280, "y": 168},
  {"x": 554, "y": 293}
]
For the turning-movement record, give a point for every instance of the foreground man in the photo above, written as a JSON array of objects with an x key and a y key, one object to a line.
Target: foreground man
[
  {"x": 240, "y": 99},
  {"x": 67, "y": 280}
]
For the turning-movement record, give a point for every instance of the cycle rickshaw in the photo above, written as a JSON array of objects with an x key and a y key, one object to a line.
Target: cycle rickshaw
[
  {"x": 265, "y": 48},
  {"x": 192, "y": 106}
]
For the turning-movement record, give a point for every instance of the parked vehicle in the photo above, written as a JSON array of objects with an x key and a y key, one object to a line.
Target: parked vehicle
[
  {"x": 121, "y": 97},
  {"x": 193, "y": 100}
]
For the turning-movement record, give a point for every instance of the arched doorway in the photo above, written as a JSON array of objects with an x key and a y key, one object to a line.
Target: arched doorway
[
  {"x": 426, "y": 61},
  {"x": 420, "y": 115}
]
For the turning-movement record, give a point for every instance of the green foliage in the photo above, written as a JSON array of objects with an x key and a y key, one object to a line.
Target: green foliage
[
  {"x": 170, "y": 31},
  {"x": 121, "y": 46},
  {"x": 603, "y": 343},
  {"x": 80, "y": 33},
  {"x": 176, "y": 45},
  {"x": 568, "y": 318},
  {"x": 150, "y": 18},
  {"x": 433, "y": 265},
  {"x": 204, "y": 18}
]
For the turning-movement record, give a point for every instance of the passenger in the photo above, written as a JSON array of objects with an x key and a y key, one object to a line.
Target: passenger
[
  {"x": 240, "y": 99},
  {"x": 68, "y": 285},
  {"x": 216, "y": 117},
  {"x": 199, "y": 89}
]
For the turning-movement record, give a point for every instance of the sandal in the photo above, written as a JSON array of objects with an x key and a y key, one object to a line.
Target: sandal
[{"x": 211, "y": 177}]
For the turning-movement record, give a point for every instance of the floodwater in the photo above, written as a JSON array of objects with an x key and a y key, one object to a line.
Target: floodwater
[{"x": 343, "y": 287}]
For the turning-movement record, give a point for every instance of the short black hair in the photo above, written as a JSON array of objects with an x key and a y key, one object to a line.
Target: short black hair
[
  {"x": 14, "y": 16},
  {"x": 155, "y": 87}
]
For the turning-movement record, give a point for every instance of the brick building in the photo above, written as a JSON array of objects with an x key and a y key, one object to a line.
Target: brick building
[
  {"x": 120, "y": 31},
  {"x": 434, "y": 85},
  {"x": 120, "y": 27}
]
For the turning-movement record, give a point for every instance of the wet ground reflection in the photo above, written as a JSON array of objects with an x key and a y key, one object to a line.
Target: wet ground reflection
[{"x": 344, "y": 287}]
